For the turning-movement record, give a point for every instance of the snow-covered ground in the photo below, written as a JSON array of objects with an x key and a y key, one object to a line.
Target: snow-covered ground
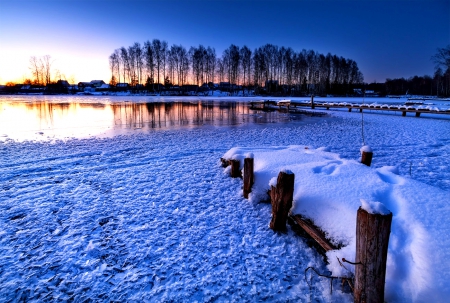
[{"x": 151, "y": 215}]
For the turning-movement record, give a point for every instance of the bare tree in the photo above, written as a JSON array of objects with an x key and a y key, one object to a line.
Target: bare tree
[
  {"x": 37, "y": 70},
  {"x": 246, "y": 63},
  {"x": 47, "y": 65},
  {"x": 125, "y": 63},
  {"x": 210, "y": 64},
  {"x": 442, "y": 57}
]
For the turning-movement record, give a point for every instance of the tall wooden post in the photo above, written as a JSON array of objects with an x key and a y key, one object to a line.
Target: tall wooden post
[
  {"x": 372, "y": 239},
  {"x": 235, "y": 171},
  {"x": 248, "y": 175},
  {"x": 312, "y": 102},
  {"x": 281, "y": 198}
]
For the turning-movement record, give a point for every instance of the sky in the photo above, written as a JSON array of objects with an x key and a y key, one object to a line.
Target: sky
[{"x": 387, "y": 39}]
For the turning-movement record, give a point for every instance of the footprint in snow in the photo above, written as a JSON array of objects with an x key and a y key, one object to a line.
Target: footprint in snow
[
  {"x": 390, "y": 178},
  {"x": 327, "y": 169}
]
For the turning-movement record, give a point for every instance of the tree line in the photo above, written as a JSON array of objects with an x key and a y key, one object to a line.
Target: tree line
[
  {"x": 269, "y": 67},
  {"x": 436, "y": 85}
]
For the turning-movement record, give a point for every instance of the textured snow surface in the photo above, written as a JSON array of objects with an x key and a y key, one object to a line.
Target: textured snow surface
[{"x": 153, "y": 217}]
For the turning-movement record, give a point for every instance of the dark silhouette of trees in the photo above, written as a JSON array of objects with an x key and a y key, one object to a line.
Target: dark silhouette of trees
[
  {"x": 268, "y": 69},
  {"x": 441, "y": 78}
]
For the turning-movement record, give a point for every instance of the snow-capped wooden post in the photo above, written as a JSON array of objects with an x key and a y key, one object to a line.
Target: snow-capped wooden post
[
  {"x": 281, "y": 197},
  {"x": 372, "y": 239},
  {"x": 312, "y": 102},
  {"x": 248, "y": 174},
  {"x": 235, "y": 172},
  {"x": 366, "y": 155}
]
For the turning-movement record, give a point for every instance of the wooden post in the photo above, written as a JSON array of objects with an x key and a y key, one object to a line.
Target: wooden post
[
  {"x": 312, "y": 102},
  {"x": 366, "y": 158},
  {"x": 417, "y": 114},
  {"x": 248, "y": 176},
  {"x": 360, "y": 110},
  {"x": 281, "y": 198},
  {"x": 372, "y": 238},
  {"x": 403, "y": 113},
  {"x": 349, "y": 109},
  {"x": 366, "y": 155},
  {"x": 235, "y": 171}
]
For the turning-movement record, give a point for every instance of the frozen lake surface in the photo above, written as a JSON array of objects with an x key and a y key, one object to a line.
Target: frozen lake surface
[{"x": 147, "y": 213}]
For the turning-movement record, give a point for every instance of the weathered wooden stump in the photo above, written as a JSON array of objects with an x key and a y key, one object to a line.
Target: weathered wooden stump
[
  {"x": 281, "y": 198},
  {"x": 366, "y": 155},
  {"x": 248, "y": 175},
  {"x": 372, "y": 239},
  {"x": 366, "y": 158},
  {"x": 235, "y": 171}
]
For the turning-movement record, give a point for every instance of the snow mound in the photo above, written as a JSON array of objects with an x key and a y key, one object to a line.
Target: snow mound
[{"x": 329, "y": 190}]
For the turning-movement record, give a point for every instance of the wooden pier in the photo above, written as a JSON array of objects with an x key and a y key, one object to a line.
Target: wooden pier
[{"x": 293, "y": 105}]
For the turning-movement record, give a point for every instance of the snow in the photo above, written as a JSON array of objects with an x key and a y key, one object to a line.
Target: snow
[
  {"x": 366, "y": 149},
  {"x": 151, "y": 216},
  {"x": 374, "y": 207},
  {"x": 329, "y": 190}
]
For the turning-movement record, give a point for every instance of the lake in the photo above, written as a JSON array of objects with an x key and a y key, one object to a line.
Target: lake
[{"x": 63, "y": 117}]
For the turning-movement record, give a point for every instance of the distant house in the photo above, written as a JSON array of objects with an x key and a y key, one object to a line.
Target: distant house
[
  {"x": 97, "y": 83},
  {"x": 225, "y": 85},
  {"x": 60, "y": 87},
  {"x": 103, "y": 87},
  {"x": 189, "y": 88},
  {"x": 83, "y": 85},
  {"x": 122, "y": 86}
]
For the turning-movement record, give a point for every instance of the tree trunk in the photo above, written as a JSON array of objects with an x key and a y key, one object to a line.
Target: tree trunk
[
  {"x": 372, "y": 239},
  {"x": 281, "y": 198}
]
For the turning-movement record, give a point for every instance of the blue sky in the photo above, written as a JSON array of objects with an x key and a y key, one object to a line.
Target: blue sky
[{"x": 388, "y": 39}]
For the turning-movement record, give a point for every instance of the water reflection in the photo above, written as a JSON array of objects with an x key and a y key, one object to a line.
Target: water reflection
[
  {"x": 182, "y": 114},
  {"x": 44, "y": 120}
]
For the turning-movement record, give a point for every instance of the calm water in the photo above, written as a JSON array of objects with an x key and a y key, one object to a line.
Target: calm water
[{"x": 62, "y": 117}]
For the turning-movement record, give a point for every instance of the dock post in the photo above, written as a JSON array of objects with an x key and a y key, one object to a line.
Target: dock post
[
  {"x": 235, "y": 165},
  {"x": 366, "y": 155},
  {"x": 281, "y": 198},
  {"x": 349, "y": 109},
  {"x": 417, "y": 114},
  {"x": 372, "y": 239},
  {"x": 403, "y": 113},
  {"x": 248, "y": 175},
  {"x": 312, "y": 102}
]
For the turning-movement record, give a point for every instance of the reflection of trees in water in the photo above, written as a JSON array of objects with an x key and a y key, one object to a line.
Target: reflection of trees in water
[
  {"x": 45, "y": 110},
  {"x": 170, "y": 114}
]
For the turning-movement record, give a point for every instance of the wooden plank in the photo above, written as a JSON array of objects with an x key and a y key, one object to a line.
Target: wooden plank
[{"x": 314, "y": 232}]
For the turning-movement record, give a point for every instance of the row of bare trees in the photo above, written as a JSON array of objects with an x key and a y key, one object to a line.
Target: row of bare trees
[
  {"x": 156, "y": 62},
  {"x": 40, "y": 68}
]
